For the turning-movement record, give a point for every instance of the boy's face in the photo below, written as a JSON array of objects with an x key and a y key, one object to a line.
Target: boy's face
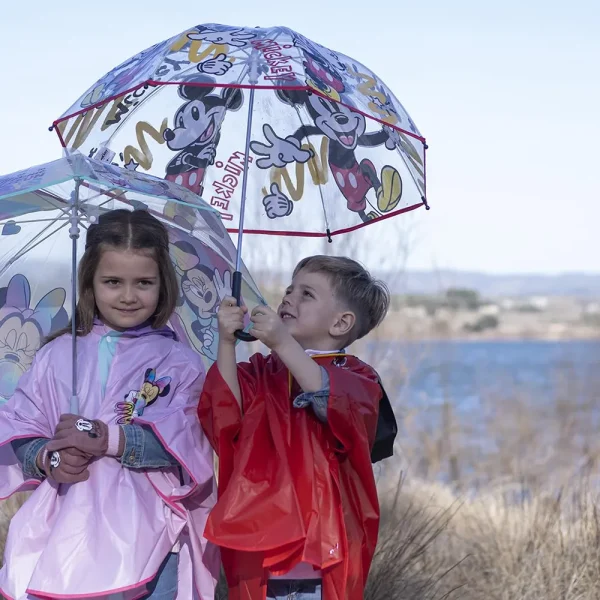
[{"x": 311, "y": 313}]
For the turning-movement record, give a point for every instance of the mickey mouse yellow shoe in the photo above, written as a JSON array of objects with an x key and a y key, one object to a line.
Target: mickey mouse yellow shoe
[{"x": 390, "y": 192}]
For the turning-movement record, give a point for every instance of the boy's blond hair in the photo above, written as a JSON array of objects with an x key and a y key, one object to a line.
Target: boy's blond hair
[{"x": 368, "y": 298}]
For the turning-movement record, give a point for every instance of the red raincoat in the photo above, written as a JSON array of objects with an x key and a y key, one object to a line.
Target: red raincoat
[{"x": 292, "y": 488}]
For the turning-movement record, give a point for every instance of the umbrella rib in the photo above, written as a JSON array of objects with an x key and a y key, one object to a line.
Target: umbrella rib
[
  {"x": 48, "y": 197},
  {"x": 31, "y": 245},
  {"x": 319, "y": 187},
  {"x": 408, "y": 168},
  {"x": 39, "y": 220}
]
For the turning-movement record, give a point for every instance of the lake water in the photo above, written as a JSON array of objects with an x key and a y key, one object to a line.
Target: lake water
[
  {"x": 495, "y": 408},
  {"x": 459, "y": 372}
]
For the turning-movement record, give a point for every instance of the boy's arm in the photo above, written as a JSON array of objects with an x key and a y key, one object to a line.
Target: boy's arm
[
  {"x": 231, "y": 319},
  {"x": 312, "y": 379},
  {"x": 227, "y": 365},
  {"x": 303, "y": 368},
  {"x": 317, "y": 400}
]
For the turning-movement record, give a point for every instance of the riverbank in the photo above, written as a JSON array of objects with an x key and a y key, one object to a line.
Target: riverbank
[{"x": 487, "y": 324}]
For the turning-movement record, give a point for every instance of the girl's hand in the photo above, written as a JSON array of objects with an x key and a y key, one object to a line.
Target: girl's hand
[
  {"x": 230, "y": 317},
  {"x": 269, "y": 328},
  {"x": 66, "y": 466},
  {"x": 74, "y": 431}
]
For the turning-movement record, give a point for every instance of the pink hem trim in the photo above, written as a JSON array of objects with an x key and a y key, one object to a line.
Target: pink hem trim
[
  {"x": 95, "y": 594},
  {"x": 6, "y": 595},
  {"x": 172, "y": 505},
  {"x": 22, "y": 437},
  {"x": 166, "y": 447},
  {"x": 34, "y": 482},
  {"x": 26, "y": 482}
]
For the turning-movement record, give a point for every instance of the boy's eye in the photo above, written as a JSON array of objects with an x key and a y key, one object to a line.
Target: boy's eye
[{"x": 307, "y": 293}]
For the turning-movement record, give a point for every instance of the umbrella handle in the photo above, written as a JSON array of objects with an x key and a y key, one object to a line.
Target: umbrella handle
[{"x": 236, "y": 292}]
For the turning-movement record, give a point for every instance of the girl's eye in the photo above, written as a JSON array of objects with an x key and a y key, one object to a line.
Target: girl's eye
[
  {"x": 112, "y": 282},
  {"x": 145, "y": 283}
]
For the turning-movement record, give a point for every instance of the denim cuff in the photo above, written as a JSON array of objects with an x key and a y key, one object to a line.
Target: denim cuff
[
  {"x": 133, "y": 449},
  {"x": 318, "y": 400},
  {"x": 31, "y": 450},
  {"x": 143, "y": 450}
]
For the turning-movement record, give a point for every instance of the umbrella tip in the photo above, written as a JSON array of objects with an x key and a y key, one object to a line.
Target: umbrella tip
[
  {"x": 424, "y": 201},
  {"x": 51, "y": 128}
]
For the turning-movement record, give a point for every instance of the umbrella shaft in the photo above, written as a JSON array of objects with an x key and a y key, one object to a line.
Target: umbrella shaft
[
  {"x": 238, "y": 262},
  {"x": 74, "y": 408},
  {"x": 74, "y": 234}
]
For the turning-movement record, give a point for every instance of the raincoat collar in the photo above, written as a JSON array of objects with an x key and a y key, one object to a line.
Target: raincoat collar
[{"x": 142, "y": 330}]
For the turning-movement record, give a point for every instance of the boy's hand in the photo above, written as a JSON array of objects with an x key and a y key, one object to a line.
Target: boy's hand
[
  {"x": 269, "y": 328},
  {"x": 230, "y": 317}
]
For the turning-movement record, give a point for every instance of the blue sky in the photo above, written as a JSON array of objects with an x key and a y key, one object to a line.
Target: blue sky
[{"x": 507, "y": 94}]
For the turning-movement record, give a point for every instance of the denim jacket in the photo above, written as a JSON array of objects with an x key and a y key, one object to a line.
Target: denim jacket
[
  {"x": 318, "y": 400},
  {"x": 142, "y": 450}
]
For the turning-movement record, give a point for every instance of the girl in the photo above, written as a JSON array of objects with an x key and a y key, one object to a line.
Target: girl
[{"x": 124, "y": 488}]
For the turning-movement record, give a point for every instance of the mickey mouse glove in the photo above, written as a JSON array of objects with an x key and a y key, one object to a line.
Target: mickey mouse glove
[{"x": 93, "y": 438}]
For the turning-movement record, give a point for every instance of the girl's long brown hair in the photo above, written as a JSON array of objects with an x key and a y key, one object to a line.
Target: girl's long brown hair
[{"x": 123, "y": 229}]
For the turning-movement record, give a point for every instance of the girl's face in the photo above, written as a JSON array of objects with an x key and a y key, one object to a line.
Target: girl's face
[{"x": 126, "y": 288}]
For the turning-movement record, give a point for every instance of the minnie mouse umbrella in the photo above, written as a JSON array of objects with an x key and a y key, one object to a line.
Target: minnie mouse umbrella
[{"x": 44, "y": 213}]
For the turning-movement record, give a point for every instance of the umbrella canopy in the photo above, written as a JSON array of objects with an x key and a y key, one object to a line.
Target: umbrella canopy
[
  {"x": 44, "y": 213},
  {"x": 326, "y": 144}
]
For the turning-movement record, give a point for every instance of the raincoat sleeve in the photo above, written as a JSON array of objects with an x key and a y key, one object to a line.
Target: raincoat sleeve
[
  {"x": 353, "y": 406},
  {"x": 176, "y": 426},
  {"x": 30, "y": 413},
  {"x": 220, "y": 414}
]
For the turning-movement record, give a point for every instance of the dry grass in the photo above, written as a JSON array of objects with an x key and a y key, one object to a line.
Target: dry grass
[
  {"x": 500, "y": 543},
  {"x": 7, "y": 509},
  {"x": 494, "y": 546}
]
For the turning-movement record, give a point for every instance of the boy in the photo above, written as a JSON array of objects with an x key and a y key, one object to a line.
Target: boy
[{"x": 297, "y": 510}]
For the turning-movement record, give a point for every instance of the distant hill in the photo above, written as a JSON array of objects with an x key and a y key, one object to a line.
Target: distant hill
[{"x": 580, "y": 285}]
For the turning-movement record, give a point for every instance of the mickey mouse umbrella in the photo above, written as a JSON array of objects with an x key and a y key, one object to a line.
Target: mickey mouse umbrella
[{"x": 231, "y": 111}]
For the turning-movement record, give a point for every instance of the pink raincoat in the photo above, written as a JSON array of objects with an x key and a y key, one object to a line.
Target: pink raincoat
[{"x": 111, "y": 533}]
